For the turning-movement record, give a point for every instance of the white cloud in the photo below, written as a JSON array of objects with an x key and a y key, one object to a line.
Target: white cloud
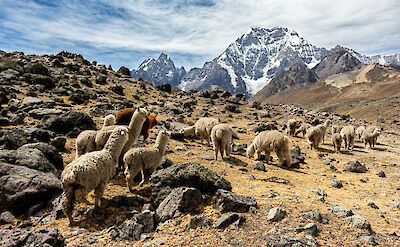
[{"x": 205, "y": 30}]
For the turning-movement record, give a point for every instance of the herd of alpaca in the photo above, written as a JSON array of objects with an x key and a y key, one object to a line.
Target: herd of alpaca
[{"x": 100, "y": 154}]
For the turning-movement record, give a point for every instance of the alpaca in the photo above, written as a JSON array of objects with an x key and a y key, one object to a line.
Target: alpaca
[
  {"x": 323, "y": 128},
  {"x": 359, "y": 132},
  {"x": 335, "y": 129},
  {"x": 145, "y": 158},
  {"x": 124, "y": 116},
  {"x": 203, "y": 128},
  {"x": 337, "y": 142},
  {"x": 269, "y": 141},
  {"x": 302, "y": 129},
  {"x": 370, "y": 136},
  {"x": 86, "y": 140},
  {"x": 348, "y": 133},
  {"x": 291, "y": 126},
  {"x": 92, "y": 171},
  {"x": 188, "y": 131},
  {"x": 221, "y": 138}
]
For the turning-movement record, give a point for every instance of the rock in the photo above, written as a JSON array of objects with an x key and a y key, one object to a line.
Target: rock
[
  {"x": 232, "y": 108},
  {"x": 335, "y": 183},
  {"x": 130, "y": 230},
  {"x": 264, "y": 126},
  {"x": 280, "y": 240},
  {"x": 72, "y": 123},
  {"x": 121, "y": 201},
  {"x": 31, "y": 158},
  {"x": 310, "y": 228},
  {"x": 23, "y": 187},
  {"x": 297, "y": 157},
  {"x": 198, "y": 221},
  {"x": 181, "y": 200},
  {"x": 37, "y": 68},
  {"x": 314, "y": 215},
  {"x": 48, "y": 82},
  {"x": 355, "y": 166},
  {"x": 118, "y": 89},
  {"x": 276, "y": 180},
  {"x": 147, "y": 219},
  {"x": 368, "y": 240},
  {"x": 395, "y": 204},
  {"x": 191, "y": 175},
  {"x": 24, "y": 237},
  {"x": 15, "y": 138},
  {"x": 226, "y": 201},
  {"x": 258, "y": 165},
  {"x": 28, "y": 101},
  {"x": 276, "y": 214},
  {"x": 124, "y": 71},
  {"x": 358, "y": 222},
  {"x": 39, "y": 113},
  {"x": 341, "y": 212},
  {"x": 372, "y": 205},
  {"x": 59, "y": 142},
  {"x": 319, "y": 192},
  {"x": 49, "y": 151},
  {"x": 7, "y": 218},
  {"x": 165, "y": 88},
  {"x": 228, "y": 219},
  {"x": 381, "y": 174}
]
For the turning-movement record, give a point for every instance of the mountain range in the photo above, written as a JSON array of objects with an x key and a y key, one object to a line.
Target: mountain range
[{"x": 267, "y": 60}]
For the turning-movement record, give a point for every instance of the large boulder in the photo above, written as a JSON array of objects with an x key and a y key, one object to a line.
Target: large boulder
[
  {"x": 140, "y": 223},
  {"x": 24, "y": 237},
  {"x": 47, "y": 81},
  {"x": 227, "y": 201},
  {"x": 31, "y": 158},
  {"x": 22, "y": 187},
  {"x": 124, "y": 71},
  {"x": 48, "y": 150},
  {"x": 15, "y": 138},
  {"x": 185, "y": 175},
  {"x": 179, "y": 201},
  {"x": 71, "y": 123},
  {"x": 37, "y": 68}
]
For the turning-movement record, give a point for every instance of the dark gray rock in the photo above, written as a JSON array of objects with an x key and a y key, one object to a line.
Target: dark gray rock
[
  {"x": 71, "y": 123},
  {"x": 258, "y": 165},
  {"x": 279, "y": 240},
  {"x": 227, "y": 201},
  {"x": 22, "y": 188},
  {"x": 7, "y": 218},
  {"x": 341, "y": 211},
  {"x": 179, "y": 201},
  {"x": 335, "y": 183},
  {"x": 189, "y": 175},
  {"x": 59, "y": 142},
  {"x": 355, "y": 166},
  {"x": 130, "y": 230},
  {"x": 15, "y": 138},
  {"x": 197, "y": 221},
  {"x": 49, "y": 151},
  {"x": 297, "y": 157},
  {"x": 372, "y": 205},
  {"x": 276, "y": 214},
  {"x": 310, "y": 228},
  {"x": 228, "y": 219},
  {"x": 369, "y": 240},
  {"x": 381, "y": 174},
  {"x": 359, "y": 222},
  {"x": 31, "y": 158},
  {"x": 24, "y": 237}
]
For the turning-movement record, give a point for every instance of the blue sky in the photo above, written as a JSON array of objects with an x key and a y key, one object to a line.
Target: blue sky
[{"x": 191, "y": 32}]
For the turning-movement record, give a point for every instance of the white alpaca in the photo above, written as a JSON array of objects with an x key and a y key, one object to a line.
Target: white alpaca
[
  {"x": 335, "y": 129},
  {"x": 291, "y": 126},
  {"x": 370, "y": 136},
  {"x": 359, "y": 132},
  {"x": 348, "y": 133},
  {"x": 337, "y": 142},
  {"x": 92, "y": 171},
  {"x": 221, "y": 138},
  {"x": 269, "y": 141},
  {"x": 203, "y": 128},
  {"x": 316, "y": 134},
  {"x": 86, "y": 140},
  {"x": 302, "y": 129},
  {"x": 135, "y": 126},
  {"x": 188, "y": 131},
  {"x": 145, "y": 158}
]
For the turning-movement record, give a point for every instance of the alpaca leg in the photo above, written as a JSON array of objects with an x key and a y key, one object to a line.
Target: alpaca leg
[
  {"x": 130, "y": 174},
  {"x": 217, "y": 147},
  {"x": 98, "y": 193},
  {"x": 223, "y": 149},
  {"x": 68, "y": 204},
  {"x": 228, "y": 149},
  {"x": 288, "y": 157},
  {"x": 142, "y": 174},
  {"x": 267, "y": 156},
  {"x": 281, "y": 157}
]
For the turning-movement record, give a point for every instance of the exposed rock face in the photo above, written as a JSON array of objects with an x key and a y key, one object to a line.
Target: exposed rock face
[
  {"x": 23, "y": 237},
  {"x": 180, "y": 200},
  {"x": 338, "y": 60},
  {"x": 159, "y": 71},
  {"x": 185, "y": 175},
  {"x": 71, "y": 122},
  {"x": 227, "y": 201},
  {"x": 228, "y": 219},
  {"x": 15, "y": 138}
]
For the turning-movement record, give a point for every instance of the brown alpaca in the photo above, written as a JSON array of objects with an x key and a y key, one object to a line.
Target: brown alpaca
[{"x": 123, "y": 117}]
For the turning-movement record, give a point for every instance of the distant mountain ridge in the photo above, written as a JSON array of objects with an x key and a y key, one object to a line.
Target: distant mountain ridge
[{"x": 258, "y": 58}]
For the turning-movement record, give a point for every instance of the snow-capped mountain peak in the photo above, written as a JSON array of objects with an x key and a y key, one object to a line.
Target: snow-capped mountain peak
[{"x": 252, "y": 60}]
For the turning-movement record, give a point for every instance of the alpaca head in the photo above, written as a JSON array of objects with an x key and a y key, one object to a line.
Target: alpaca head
[
  {"x": 327, "y": 123},
  {"x": 250, "y": 151},
  {"x": 162, "y": 139},
  {"x": 109, "y": 120}
]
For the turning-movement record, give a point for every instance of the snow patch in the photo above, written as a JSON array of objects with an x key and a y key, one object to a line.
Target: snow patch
[{"x": 253, "y": 86}]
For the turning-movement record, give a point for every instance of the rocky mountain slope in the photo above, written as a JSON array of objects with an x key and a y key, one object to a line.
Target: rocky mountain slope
[
  {"x": 325, "y": 199},
  {"x": 159, "y": 71},
  {"x": 367, "y": 93}
]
